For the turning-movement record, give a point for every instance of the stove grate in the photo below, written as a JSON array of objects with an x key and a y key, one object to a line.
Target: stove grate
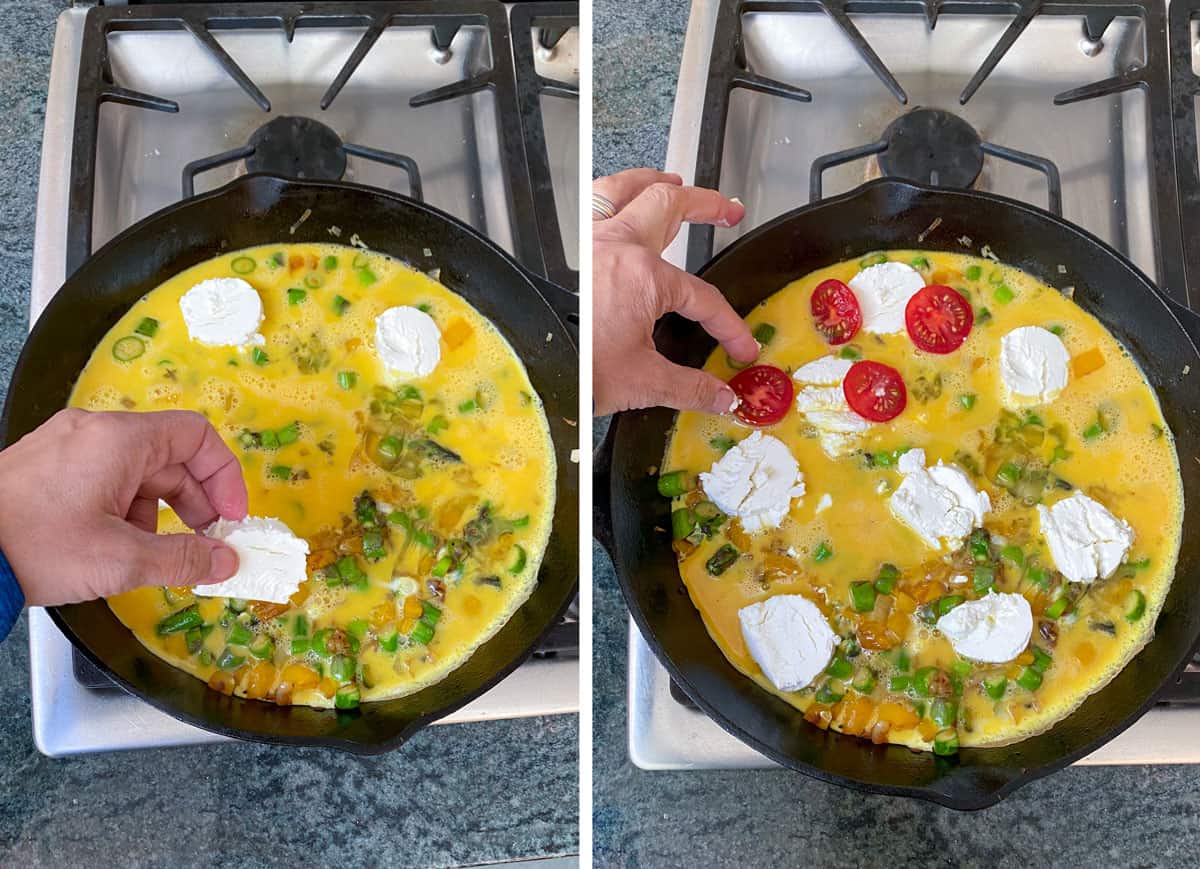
[
  {"x": 537, "y": 239},
  {"x": 729, "y": 71}
]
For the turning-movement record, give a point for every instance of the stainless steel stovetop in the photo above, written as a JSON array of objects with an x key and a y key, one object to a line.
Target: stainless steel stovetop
[
  {"x": 1075, "y": 92},
  {"x": 140, "y": 156}
]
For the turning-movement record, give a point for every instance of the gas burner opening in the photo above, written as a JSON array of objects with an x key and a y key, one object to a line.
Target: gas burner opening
[
  {"x": 932, "y": 146},
  {"x": 297, "y": 147}
]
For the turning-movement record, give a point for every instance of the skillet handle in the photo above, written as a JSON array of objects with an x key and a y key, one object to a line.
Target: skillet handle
[
  {"x": 564, "y": 302},
  {"x": 1188, "y": 318},
  {"x": 602, "y": 523}
]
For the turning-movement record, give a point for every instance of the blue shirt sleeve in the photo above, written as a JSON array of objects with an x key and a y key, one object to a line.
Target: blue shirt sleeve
[{"x": 12, "y": 601}]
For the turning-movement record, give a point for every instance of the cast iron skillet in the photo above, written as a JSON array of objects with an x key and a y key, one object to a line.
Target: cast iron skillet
[
  {"x": 892, "y": 214},
  {"x": 262, "y": 209}
]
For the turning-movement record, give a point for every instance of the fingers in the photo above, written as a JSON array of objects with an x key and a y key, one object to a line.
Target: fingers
[
  {"x": 655, "y": 215},
  {"x": 621, "y": 188},
  {"x": 175, "y": 559},
  {"x": 183, "y": 492},
  {"x": 700, "y": 301},
  {"x": 671, "y": 385},
  {"x": 143, "y": 513},
  {"x": 184, "y": 438}
]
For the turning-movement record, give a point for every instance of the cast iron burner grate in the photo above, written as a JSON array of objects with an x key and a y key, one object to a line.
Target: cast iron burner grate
[
  {"x": 729, "y": 70},
  {"x": 517, "y": 89},
  {"x": 298, "y": 147}
]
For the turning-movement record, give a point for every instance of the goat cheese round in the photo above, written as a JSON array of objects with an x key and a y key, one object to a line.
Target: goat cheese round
[
  {"x": 883, "y": 292},
  {"x": 1033, "y": 365},
  {"x": 408, "y": 341},
  {"x": 1086, "y": 541},
  {"x": 939, "y": 503},
  {"x": 820, "y": 398},
  {"x": 994, "y": 629},
  {"x": 789, "y": 638},
  {"x": 223, "y": 312},
  {"x": 756, "y": 481},
  {"x": 272, "y": 561}
]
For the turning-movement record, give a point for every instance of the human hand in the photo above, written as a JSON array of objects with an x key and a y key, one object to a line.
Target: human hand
[
  {"x": 633, "y": 286},
  {"x": 79, "y": 504}
]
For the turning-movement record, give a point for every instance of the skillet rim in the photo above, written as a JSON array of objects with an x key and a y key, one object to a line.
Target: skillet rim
[
  {"x": 963, "y": 793},
  {"x": 276, "y": 185}
]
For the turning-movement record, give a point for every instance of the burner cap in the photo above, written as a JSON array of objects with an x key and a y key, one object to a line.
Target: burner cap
[
  {"x": 931, "y": 146},
  {"x": 297, "y": 148}
]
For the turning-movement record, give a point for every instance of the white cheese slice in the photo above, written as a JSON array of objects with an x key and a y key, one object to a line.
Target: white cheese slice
[
  {"x": 883, "y": 292},
  {"x": 1033, "y": 366},
  {"x": 1086, "y": 541},
  {"x": 271, "y": 560},
  {"x": 819, "y": 397},
  {"x": 223, "y": 312},
  {"x": 408, "y": 341},
  {"x": 789, "y": 639},
  {"x": 756, "y": 481},
  {"x": 994, "y": 629},
  {"x": 939, "y": 503}
]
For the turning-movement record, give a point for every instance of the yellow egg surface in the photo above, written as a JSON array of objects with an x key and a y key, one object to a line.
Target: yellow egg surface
[
  {"x": 426, "y": 503},
  {"x": 895, "y": 678}
]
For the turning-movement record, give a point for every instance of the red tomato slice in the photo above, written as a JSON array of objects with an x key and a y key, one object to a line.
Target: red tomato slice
[
  {"x": 875, "y": 391},
  {"x": 836, "y": 312},
  {"x": 938, "y": 319},
  {"x": 764, "y": 395}
]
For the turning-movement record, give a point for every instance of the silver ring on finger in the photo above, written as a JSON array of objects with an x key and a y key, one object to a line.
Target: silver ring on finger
[{"x": 602, "y": 207}]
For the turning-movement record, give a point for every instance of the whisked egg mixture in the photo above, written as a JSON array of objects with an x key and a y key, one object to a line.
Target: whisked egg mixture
[
  {"x": 892, "y": 675},
  {"x": 426, "y": 503}
]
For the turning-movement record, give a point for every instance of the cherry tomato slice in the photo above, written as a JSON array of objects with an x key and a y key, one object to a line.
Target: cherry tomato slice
[
  {"x": 836, "y": 312},
  {"x": 764, "y": 395},
  {"x": 875, "y": 391},
  {"x": 938, "y": 319}
]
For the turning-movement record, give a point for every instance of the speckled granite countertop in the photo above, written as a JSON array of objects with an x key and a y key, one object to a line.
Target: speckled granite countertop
[
  {"x": 456, "y": 795},
  {"x": 1087, "y": 816}
]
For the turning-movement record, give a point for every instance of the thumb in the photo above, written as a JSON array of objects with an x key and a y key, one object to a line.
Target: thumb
[
  {"x": 683, "y": 388},
  {"x": 180, "y": 559}
]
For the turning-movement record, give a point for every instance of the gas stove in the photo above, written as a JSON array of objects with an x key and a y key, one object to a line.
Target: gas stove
[
  {"x": 1084, "y": 108},
  {"x": 470, "y": 105}
]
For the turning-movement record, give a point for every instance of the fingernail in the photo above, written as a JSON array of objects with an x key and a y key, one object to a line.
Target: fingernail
[
  {"x": 738, "y": 201},
  {"x": 224, "y": 564},
  {"x": 725, "y": 402}
]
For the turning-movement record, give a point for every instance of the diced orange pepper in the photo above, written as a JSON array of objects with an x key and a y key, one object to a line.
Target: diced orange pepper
[
  {"x": 900, "y": 717},
  {"x": 946, "y": 277},
  {"x": 319, "y": 559},
  {"x": 929, "y": 591},
  {"x": 873, "y": 635},
  {"x": 412, "y": 607},
  {"x": 859, "y": 716},
  {"x": 898, "y": 623},
  {"x": 265, "y": 610},
  {"x": 328, "y": 687},
  {"x": 295, "y": 263},
  {"x": 1085, "y": 654},
  {"x": 353, "y": 344},
  {"x": 927, "y": 729},
  {"x": 737, "y": 536},
  {"x": 457, "y": 333},
  {"x": 1025, "y": 658},
  {"x": 382, "y": 614},
  {"x": 905, "y": 603},
  {"x": 1087, "y": 362},
  {"x": 221, "y": 681},
  {"x": 819, "y": 715},
  {"x": 259, "y": 680},
  {"x": 301, "y": 594},
  {"x": 300, "y": 677}
]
